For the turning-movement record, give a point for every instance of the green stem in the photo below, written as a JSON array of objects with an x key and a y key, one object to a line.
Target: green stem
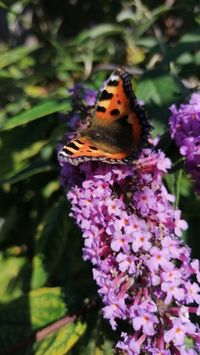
[{"x": 177, "y": 188}]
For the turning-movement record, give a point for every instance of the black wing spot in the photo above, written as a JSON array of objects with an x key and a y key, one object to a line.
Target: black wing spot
[
  {"x": 106, "y": 95},
  {"x": 70, "y": 145},
  {"x": 123, "y": 121},
  {"x": 101, "y": 109},
  {"x": 113, "y": 83},
  {"x": 115, "y": 112}
]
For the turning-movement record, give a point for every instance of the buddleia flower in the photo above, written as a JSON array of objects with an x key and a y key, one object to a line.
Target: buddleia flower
[
  {"x": 185, "y": 130},
  {"x": 147, "y": 281}
]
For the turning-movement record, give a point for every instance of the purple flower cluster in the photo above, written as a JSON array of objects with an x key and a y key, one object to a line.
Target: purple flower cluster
[
  {"x": 185, "y": 129},
  {"x": 142, "y": 268},
  {"x": 146, "y": 278}
]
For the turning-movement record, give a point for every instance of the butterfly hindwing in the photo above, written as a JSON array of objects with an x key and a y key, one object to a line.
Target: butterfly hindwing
[{"x": 83, "y": 149}]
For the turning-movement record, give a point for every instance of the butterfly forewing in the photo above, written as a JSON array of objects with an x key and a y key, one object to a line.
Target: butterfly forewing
[
  {"x": 113, "y": 101},
  {"x": 117, "y": 102}
]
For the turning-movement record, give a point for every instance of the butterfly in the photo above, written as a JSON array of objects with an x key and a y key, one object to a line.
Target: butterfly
[{"x": 118, "y": 126}]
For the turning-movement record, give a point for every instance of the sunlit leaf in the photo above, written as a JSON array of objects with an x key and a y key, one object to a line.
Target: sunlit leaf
[
  {"x": 35, "y": 113},
  {"x": 62, "y": 341},
  {"x": 97, "y": 339},
  {"x": 26, "y": 172},
  {"x": 11, "y": 283},
  {"x": 100, "y": 30},
  {"x": 13, "y": 55},
  {"x": 50, "y": 242},
  {"x": 30, "y": 312},
  {"x": 36, "y": 91}
]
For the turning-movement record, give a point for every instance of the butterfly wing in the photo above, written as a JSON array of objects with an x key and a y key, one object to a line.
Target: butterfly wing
[
  {"x": 118, "y": 129},
  {"x": 83, "y": 149},
  {"x": 117, "y": 101}
]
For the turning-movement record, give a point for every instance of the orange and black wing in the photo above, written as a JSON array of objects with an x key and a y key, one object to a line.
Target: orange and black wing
[
  {"x": 83, "y": 149},
  {"x": 116, "y": 101},
  {"x": 119, "y": 126}
]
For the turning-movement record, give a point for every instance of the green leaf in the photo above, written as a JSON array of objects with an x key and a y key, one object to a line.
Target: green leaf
[
  {"x": 13, "y": 55},
  {"x": 3, "y": 5},
  {"x": 46, "y": 306},
  {"x": 11, "y": 283},
  {"x": 184, "y": 51},
  {"x": 26, "y": 314},
  {"x": 7, "y": 223},
  {"x": 100, "y": 31},
  {"x": 50, "y": 242},
  {"x": 22, "y": 165},
  {"x": 60, "y": 342},
  {"x": 159, "y": 90},
  {"x": 192, "y": 37},
  {"x": 98, "y": 339},
  {"x": 22, "y": 150},
  {"x": 28, "y": 171},
  {"x": 40, "y": 274},
  {"x": 105, "y": 348},
  {"x": 35, "y": 113},
  {"x": 152, "y": 17}
]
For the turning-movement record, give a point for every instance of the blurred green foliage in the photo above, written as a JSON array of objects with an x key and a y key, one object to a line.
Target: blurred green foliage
[{"x": 45, "y": 46}]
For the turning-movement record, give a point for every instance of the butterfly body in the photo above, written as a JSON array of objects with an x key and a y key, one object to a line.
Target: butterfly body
[{"x": 117, "y": 129}]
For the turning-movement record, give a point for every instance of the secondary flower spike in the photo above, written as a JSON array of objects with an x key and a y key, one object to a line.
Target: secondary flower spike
[
  {"x": 185, "y": 129},
  {"x": 148, "y": 283}
]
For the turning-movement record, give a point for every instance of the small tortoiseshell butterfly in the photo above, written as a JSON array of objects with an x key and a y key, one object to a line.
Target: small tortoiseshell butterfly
[{"x": 118, "y": 127}]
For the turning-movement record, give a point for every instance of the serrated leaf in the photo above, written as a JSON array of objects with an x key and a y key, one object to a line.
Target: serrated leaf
[
  {"x": 35, "y": 113},
  {"x": 35, "y": 310}
]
